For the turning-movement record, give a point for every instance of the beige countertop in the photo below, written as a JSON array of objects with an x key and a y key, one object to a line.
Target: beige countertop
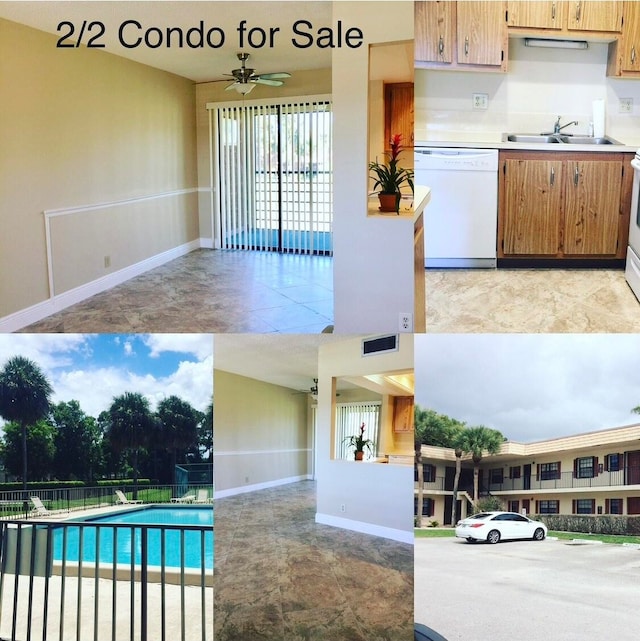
[{"x": 410, "y": 208}]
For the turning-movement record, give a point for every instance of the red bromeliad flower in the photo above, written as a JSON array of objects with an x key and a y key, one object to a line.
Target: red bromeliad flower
[{"x": 396, "y": 146}]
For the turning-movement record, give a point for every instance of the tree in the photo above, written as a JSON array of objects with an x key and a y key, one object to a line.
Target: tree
[
  {"x": 77, "y": 439},
  {"x": 25, "y": 394},
  {"x": 476, "y": 441},
  {"x": 40, "y": 445},
  {"x": 178, "y": 426},
  {"x": 205, "y": 432},
  {"x": 130, "y": 424}
]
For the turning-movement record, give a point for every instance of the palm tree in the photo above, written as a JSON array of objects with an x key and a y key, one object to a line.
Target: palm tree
[
  {"x": 476, "y": 441},
  {"x": 25, "y": 394},
  {"x": 178, "y": 426},
  {"x": 459, "y": 445},
  {"x": 130, "y": 425}
]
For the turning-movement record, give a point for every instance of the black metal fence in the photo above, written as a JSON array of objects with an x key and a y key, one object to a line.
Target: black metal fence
[{"x": 105, "y": 581}]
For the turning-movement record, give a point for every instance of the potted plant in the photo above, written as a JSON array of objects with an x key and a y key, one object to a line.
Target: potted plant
[
  {"x": 390, "y": 177},
  {"x": 359, "y": 442}
]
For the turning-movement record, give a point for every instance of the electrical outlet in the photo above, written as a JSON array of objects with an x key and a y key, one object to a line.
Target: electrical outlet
[
  {"x": 480, "y": 100},
  {"x": 107, "y": 261},
  {"x": 343, "y": 508},
  {"x": 625, "y": 106},
  {"x": 406, "y": 322}
]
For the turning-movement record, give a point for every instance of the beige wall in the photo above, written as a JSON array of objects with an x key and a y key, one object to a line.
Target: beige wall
[
  {"x": 301, "y": 83},
  {"x": 83, "y": 127},
  {"x": 261, "y": 433}
]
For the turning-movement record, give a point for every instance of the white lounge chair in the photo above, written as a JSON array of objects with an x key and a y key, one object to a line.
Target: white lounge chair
[
  {"x": 202, "y": 496},
  {"x": 38, "y": 507},
  {"x": 124, "y": 500},
  {"x": 189, "y": 497}
]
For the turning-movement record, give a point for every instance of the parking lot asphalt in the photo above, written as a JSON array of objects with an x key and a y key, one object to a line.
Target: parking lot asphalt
[{"x": 527, "y": 590}]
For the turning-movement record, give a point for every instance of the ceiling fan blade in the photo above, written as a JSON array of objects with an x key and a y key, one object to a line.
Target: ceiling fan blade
[
  {"x": 273, "y": 76},
  {"x": 231, "y": 86},
  {"x": 266, "y": 81}
]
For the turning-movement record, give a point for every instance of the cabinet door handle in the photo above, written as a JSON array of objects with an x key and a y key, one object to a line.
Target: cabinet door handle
[
  {"x": 578, "y": 7},
  {"x": 466, "y": 46},
  {"x": 552, "y": 178},
  {"x": 576, "y": 176},
  {"x": 633, "y": 55},
  {"x": 441, "y": 46},
  {"x": 553, "y": 10}
]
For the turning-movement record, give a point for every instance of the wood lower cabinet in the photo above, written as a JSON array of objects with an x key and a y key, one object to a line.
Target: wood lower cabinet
[{"x": 564, "y": 204}]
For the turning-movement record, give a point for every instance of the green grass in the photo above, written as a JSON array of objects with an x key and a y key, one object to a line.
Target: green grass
[
  {"x": 433, "y": 533},
  {"x": 605, "y": 538}
]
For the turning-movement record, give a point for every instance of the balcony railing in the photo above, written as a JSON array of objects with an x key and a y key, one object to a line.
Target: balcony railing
[{"x": 105, "y": 581}]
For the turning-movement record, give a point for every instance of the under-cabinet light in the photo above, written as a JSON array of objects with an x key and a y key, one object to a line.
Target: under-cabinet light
[{"x": 559, "y": 44}]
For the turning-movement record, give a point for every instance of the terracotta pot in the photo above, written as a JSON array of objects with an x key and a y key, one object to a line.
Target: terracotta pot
[
  {"x": 389, "y": 202},
  {"x": 359, "y": 456}
]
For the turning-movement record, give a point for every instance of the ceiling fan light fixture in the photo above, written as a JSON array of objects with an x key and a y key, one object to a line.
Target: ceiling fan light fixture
[{"x": 244, "y": 88}]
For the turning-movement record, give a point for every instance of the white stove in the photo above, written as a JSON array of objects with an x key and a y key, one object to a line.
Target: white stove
[{"x": 632, "y": 271}]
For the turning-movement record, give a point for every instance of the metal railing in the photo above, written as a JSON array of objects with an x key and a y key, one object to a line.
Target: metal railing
[
  {"x": 89, "y": 580},
  {"x": 14, "y": 504}
]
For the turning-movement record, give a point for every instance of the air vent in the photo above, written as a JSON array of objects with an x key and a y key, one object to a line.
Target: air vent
[{"x": 380, "y": 344}]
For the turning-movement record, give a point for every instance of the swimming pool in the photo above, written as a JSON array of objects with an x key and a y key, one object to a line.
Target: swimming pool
[{"x": 126, "y": 544}]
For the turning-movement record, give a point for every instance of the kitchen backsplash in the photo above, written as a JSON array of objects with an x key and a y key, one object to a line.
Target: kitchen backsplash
[{"x": 541, "y": 85}]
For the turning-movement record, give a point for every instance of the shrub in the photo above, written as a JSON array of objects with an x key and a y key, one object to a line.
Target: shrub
[
  {"x": 592, "y": 524},
  {"x": 488, "y": 504},
  {"x": 433, "y": 523}
]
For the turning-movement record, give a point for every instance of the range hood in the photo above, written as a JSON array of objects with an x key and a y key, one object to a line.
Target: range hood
[{"x": 556, "y": 44}]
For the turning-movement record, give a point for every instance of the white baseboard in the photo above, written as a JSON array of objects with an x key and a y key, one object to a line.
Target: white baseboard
[
  {"x": 365, "y": 528},
  {"x": 35, "y": 313},
  {"x": 234, "y": 491}
]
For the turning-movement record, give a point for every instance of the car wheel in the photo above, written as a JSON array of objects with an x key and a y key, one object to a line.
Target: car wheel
[
  {"x": 538, "y": 535},
  {"x": 493, "y": 536}
]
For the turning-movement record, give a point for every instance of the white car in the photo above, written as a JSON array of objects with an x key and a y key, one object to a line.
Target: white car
[{"x": 498, "y": 526}]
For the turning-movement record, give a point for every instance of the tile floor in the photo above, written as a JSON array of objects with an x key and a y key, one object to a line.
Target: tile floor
[
  {"x": 279, "y": 575},
  {"x": 530, "y": 300},
  {"x": 211, "y": 291}
]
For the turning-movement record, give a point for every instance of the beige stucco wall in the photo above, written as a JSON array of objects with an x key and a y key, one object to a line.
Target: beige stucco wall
[
  {"x": 301, "y": 83},
  {"x": 261, "y": 432},
  {"x": 82, "y": 127}
]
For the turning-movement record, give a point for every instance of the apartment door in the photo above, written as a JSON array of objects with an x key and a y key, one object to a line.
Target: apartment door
[
  {"x": 274, "y": 176},
  {"x": 526, "y": 477},
  {"x": 633, "y": 468}
]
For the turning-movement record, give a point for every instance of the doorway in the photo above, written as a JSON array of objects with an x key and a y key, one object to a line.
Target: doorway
[{"x": 274, "y": 176}]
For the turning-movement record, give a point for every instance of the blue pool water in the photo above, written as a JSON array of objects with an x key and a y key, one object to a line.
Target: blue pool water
[{"x": 181, "y": 515}]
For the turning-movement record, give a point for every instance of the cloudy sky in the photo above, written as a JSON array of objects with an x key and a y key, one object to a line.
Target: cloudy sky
[
  {"x": 531, "y": 386},
  {"x": 93, "y": 369}
]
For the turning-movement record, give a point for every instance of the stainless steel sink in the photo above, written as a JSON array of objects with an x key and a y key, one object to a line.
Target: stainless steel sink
[
  {"x": 561, "y": 139},
  {"x": 588, "y": 140},
  {"x": 531, "y": 138}
]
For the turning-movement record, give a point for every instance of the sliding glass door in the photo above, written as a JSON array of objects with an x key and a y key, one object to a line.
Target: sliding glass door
[{"x": 275, "y": 176}]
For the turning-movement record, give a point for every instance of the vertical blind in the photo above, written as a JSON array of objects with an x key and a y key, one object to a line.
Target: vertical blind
[
  {"x": 349, "y": 418},
  {"x": 275, "y": 176}
]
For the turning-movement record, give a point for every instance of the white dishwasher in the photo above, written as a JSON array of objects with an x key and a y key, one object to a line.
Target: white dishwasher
[{"x": 460, "y": 223}]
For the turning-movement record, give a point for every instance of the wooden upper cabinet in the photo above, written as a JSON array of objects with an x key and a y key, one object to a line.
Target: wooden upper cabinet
[
  {"x": 630, "y": 45},
  {"x": 532, "y": 205},
  {"x": 434, "y": 39},
  {"x": 592, "y": 207},
  {"x": 461, "y": 35},
  {"x": 594, "y": 16},
  {"x": 538, "y": 15},
  {"x": 481, "y": 31},
  {"x": 403, "y": 413}
]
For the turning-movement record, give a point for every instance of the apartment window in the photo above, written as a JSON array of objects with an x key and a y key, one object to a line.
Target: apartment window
[
  {"x": 612, "y": 462},
  {"x": 428, "y": 506},
  {"x": 514, "y": 472},
  {"x": 549, "y": 471},
  {"x": 585, "y": 468},
  {"x": 548, "y": 507},
  {"x": 428, "y": 473},
  {"x": 349, "y": 418},
  {"x": 584, "y": 506},
  {"x": 613, "y": 506},
  {"x": 496, "y": 476}
]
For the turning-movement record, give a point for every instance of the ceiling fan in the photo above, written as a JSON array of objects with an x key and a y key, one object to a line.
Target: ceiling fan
[{"x": 246, "y": 78}]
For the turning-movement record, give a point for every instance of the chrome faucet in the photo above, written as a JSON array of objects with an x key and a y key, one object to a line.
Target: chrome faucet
[{"x": 557, "y": 128}]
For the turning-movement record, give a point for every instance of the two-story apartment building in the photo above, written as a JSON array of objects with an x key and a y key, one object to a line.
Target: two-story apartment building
[{"x": 590, "y": 473}]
